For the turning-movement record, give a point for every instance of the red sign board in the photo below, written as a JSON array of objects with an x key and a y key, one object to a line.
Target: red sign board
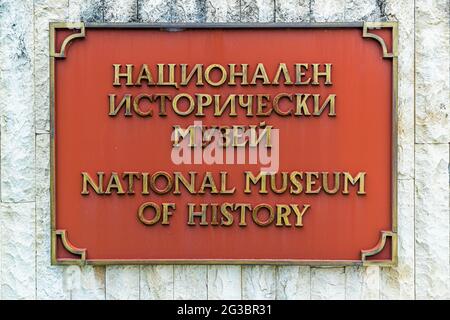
[{"x": 224, "y": 144}]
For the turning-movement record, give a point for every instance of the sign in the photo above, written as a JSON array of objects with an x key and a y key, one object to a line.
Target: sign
[{"x": 224, "y": 144}]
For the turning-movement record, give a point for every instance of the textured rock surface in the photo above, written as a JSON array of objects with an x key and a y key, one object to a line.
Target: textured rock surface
[
  {"x": 327, "y": 10},
  {"x": 223, "y": 11},
  {"x": 120, "y": 11},
  {"x": 432, "y": 221},
  {"x": 157, "y": 282},
  {"x": 18, "y": 264},
  {"x": 432, "y": 65},
  {"x": 45, "y": 11},
  {"x": 16, "y": 103},
  {"x": 49, "y": 283},
  {"x": 364, "y": 10},
  {"x": 122, "y": 282},
  {"x": 87, "y": 10},
  {"x": 292, "y": 11},
  {"x": 362, "y": 283},
  {"x": 85, "y": 283},
  {"x": 403, "y": 11},
  {"x": 398, "y": 282},
  {"x": 328, "y": 283},
  {"x": 152, "y": 11},
  {"x": 224, "y": 282},
  {"x": 259, "y": 282},
  {"x": 189, "y": 11},
  {"x": 190, "y": 282},
  {"x": 293, "y": 283},
  {"x": 257, "y": 11}
]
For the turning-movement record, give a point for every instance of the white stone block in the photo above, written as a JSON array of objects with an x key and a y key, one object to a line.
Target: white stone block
[
  {"x": 363, "y": 10},
  {"x": 155, "y": 11},
  {"x": 259, "y": 282},
  {"x": 432, "y": 221},
  {"x": 432, "y": 65},
  {"x": 398, "y": 282},
  {"x": 16, "y": 103},
  {"x": 403, "y": 11},
  {"x": 362, "y": 283},
  {"x": 49, "y": 279},
  {"x": 292, "y": 11},
  {"x": 45, "y": 11},
  {"x": 120, "y": 11},
  {"x": 190, "y": 282},
  {"x": 157, "y": 282},
  {"x": 223, "y": 11},
  {"x": 122, "y": 282},
  {"x": 18, "y": 264},
  {"x": 189, "y": 11},
  {"x": 85, "y": 283},
  {"x": 327, "y": 10},
  {"x": 328, "y": 283},
  {"x": 257, "y": 11},
  {"x": 224, "y": 282},
  {"x": 294, "y": 283},
  {"x": 86, "y": 10}
]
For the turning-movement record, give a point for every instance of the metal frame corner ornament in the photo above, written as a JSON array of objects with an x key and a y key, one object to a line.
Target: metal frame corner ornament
[
  {"x": 378, "y": 25},
  {"x": 64, "y": 25},
  {"x": 69, "y": 247},
  {"x": 365, "y": 254}
]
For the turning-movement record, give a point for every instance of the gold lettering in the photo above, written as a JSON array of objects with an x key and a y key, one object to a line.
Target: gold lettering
[
  {"x": 193, "y": 214},
  {"x": 222, "y": 79},
  {"x": 310, "y": 182},
  {"x": 329, "y": 101},
  {"x": 261, "y": 177},
  {"x": 87, "y": 180},
  {"x": 325, "y": 182},
  {"x": 282, "y": 69},
  {"x": 234, "y": 74},
  {"x": 208, "y": 182},
  {"x": 317, "y": 74},
  {"x": 299, "y": 213},
  {"x": 131, "y": 176},
  {"x": 301, "y": 106},
  {"x": 283, "y": 212},
  {"x": 256, "y": 218},
  {"x": 126, "y": 100},
  {"x": 299, "y": 74},
  {"x": 260, "y": 73},
  {"x": 273, "y": 183},
  {"x": 168, "y": 182},
  {"x": 197, "y": 69},
  {"x": 189, "y": 185},
  {"x": 114, "y": 183},
  {"x": 136, "y": 107},
  {"x": 276, "y": 106},
  {"x": 143, "y": 219},
  {"x": 118, "y": 75},
  {"x": 189, "y": 109},
  {"x": 360, "y": 179},
  {"x": 144, "y": 74},
  {"x": 166, "y": 212}
]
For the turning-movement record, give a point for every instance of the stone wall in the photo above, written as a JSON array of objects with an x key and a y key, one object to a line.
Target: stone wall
[{"x": 423, "y": 182}]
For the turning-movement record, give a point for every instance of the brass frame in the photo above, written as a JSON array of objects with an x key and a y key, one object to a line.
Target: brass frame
[{"x": 384, "y": 235}]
